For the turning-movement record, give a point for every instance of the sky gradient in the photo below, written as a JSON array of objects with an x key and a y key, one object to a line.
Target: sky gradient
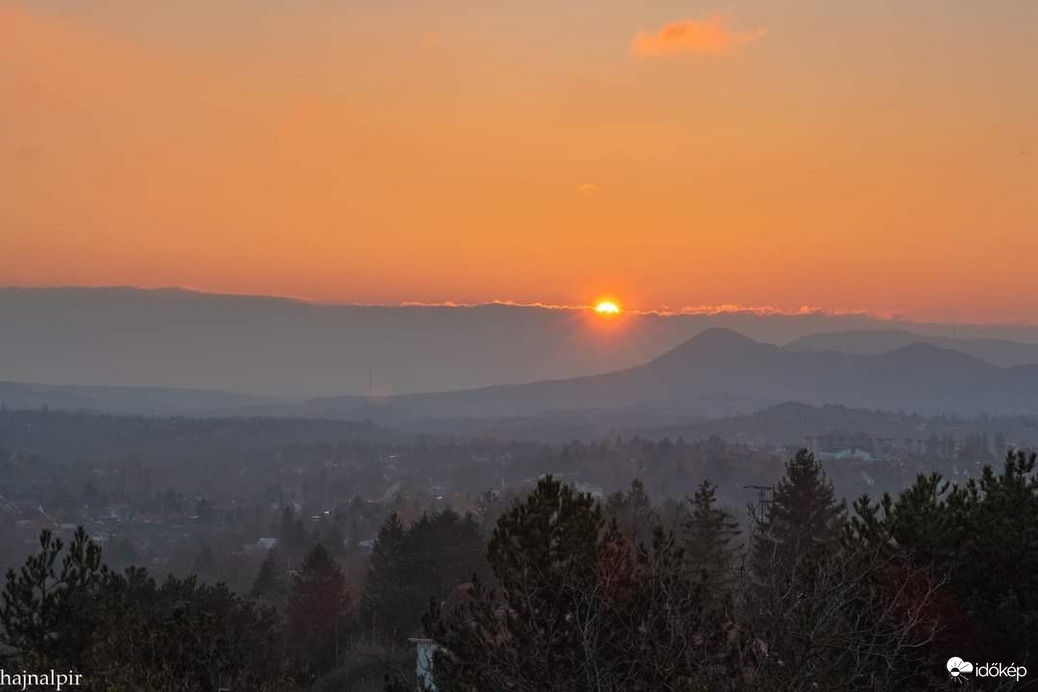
[{"x": 879, "y": 156}]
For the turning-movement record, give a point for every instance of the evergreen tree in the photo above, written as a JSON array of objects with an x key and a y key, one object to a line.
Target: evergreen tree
[
  {"x": 48, "y": 613},
  {"x": 183, "y": 635},
  {"x": 831, "y": 614},
  {"x": 634, "y": 514},
  {"x": 793, "y": 569},
  {"x": 546, "y": 556},
  {"x": 805, "y": 520},
  {"x": 316, "y": 610},
  {"x": 439, "y": 552},
  {"x": 124, "y": 632},
  {"x": 981, "y": 539},
  {"x": 270, "y": 584},
  {"x": 384, "y": 567},
  {"x": 577, "y": 612},
  {"x": 709, "y": 532},
  {"x": 489, "y": 507}
]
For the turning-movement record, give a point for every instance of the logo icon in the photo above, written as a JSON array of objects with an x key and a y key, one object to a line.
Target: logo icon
[{"x": 957, "y": 668}]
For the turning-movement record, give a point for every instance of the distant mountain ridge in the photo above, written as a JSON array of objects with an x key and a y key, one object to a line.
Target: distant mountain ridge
[
  {"x": 716, "y": 373},
  {"x": 720, "y": 372},
  {"x": 289, "y": 348},
  {"x": 1002, "y": 352},
  {"x": 294, "y": 349}
]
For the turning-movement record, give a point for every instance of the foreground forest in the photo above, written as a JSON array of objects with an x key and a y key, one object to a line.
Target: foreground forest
[{"x": 559, "y": 591}]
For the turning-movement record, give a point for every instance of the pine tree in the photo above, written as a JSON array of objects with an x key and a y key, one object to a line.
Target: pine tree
[
  {"x": 549, "y": 554},
  {"x": 804, "y": 520},
  {"x": 315, "y": 612},
  {"x": 709, "y": 532},
  {"x": 634, "y": 514},
  {"x": 797, "y": 595},
  {"x": 577, "y": 612},
  {"x": 270, "y": 584},
  {"x": 125, "y": 632},
  {"x": 384, "y": 564},
  {"x": 409, "y": 566},
  {"x": 981, "y": 537},
  {"x": 49, "y": 612}
]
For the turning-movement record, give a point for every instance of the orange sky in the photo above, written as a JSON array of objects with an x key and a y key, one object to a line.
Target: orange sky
[{"x": 876, "y": 156}]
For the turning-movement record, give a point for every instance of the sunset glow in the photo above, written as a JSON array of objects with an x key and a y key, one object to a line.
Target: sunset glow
[
  {"x": 607, "y": 307},
  {"x": 760, "y": 154}
]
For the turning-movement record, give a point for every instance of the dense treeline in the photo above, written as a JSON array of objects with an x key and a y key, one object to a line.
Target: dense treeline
[
  {"x": 65, "y": 610},
  {"x": 559, "y": 591},
  {"x": 816, "y": 600},
  {"x": 302, "y": 627},
  {"x": 410, "y": 564}
]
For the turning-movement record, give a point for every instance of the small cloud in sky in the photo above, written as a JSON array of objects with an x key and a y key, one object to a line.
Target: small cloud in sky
[
  {"x": 430, "y": 40},
  {"x": 709, "y": 36},
  {"x": 588, "y": 189}
]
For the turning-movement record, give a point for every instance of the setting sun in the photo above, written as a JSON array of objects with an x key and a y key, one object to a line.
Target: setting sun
[{"x": 607, "y": 307}]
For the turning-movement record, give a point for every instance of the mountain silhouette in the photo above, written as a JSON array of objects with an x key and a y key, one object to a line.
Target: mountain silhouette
[
  {"x": 295, "y": 350},
  {"x": 718, "y": 372},
  {"x": 721, "y": 372},
  {"x": 1002, "y": 352},
  {"x": 286, "y": 348}
]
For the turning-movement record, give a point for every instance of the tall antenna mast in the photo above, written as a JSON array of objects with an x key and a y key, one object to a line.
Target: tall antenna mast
[{"x": 761, "y": 510}]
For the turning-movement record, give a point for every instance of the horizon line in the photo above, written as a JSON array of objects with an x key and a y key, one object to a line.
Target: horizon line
[{"x": 891, "y": 316}]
